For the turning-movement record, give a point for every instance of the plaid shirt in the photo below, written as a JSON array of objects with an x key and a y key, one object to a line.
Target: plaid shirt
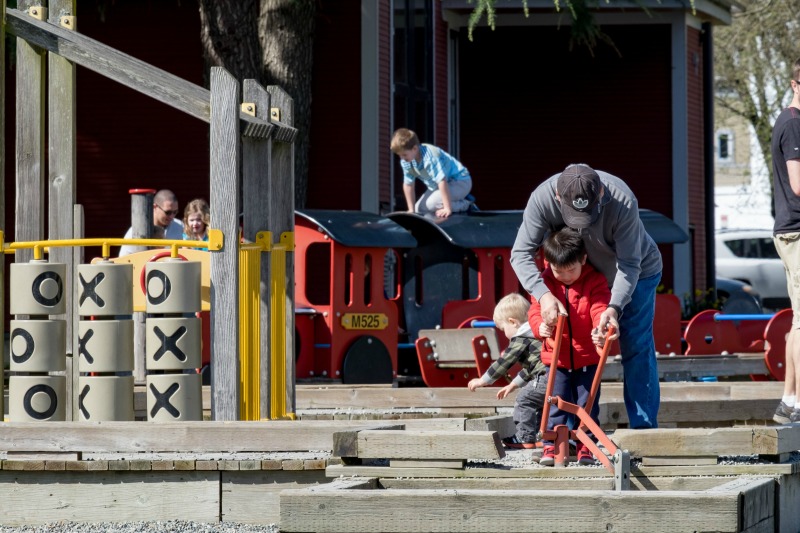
[{"x": 524, "y": 349}]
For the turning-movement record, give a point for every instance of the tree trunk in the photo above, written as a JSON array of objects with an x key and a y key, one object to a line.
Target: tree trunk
[{"x": 270, "y": 41}]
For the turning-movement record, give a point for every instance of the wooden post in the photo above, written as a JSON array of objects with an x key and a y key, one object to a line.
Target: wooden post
[
  {"x": 141, "y": 228},
  {"x": 73, "y": 370},
  {"x": 61, "y": 165},
  {"x": 141, "y": 215},
  {"x": 2, "y": 189},
  {"x": 28, "y": 222},
  {"x": 225, "y": 152},
  {"x": 282, "y": 220},
  {"x": 256, "y": 180}
]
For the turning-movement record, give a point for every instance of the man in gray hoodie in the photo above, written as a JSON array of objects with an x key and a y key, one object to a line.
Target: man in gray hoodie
[{"x": 606, "y": 212}]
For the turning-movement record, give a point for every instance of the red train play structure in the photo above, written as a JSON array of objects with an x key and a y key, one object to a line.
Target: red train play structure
[{"x": 366, "y": 285}]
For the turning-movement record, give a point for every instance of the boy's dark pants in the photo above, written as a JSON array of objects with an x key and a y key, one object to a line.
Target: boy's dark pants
[{"x": 528, "y": 408}]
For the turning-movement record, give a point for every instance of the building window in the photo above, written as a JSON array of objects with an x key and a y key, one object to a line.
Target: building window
[
  {"x": 724, "y": 146},
  {"x": 413, "y": 73}
]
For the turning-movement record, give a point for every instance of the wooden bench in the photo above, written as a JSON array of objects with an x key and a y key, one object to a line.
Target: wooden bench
[{"x": 452, "y": 357}]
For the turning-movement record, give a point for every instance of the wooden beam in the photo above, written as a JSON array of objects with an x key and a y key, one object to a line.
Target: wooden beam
[
  {"x": 353, "y": 509},
  {"x": 113, "y": 64},
  {"x": 281, "y": 221},
  {"x": 2, "y": 186},
  {"x": 409, "y": 444},
  {"x": 29, "y": 212},
  {"x": 225, "y": 150},
  {"x": 206, "y": 436},
  {"x": 61, "y": 164},
  {"x": 703, "y": 441}
]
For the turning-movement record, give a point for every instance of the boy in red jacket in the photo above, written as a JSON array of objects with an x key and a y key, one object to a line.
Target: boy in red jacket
[{"x": 585, "y": 294}]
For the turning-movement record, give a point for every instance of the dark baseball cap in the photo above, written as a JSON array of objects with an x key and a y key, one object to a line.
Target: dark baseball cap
[{"x": 579, "y": 188}]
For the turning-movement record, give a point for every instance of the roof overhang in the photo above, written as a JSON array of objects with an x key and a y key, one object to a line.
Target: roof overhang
[{"x": 714, "y": 11}]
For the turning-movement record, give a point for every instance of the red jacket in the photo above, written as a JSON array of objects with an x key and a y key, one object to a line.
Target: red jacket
[{"x": 585, "y": 300}]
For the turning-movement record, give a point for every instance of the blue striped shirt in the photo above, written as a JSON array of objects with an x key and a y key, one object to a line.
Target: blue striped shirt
[{"x": 436, "y": 165}]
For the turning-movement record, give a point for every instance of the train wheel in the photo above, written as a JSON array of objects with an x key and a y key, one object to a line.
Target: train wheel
[{"x": 367, "y": 361}]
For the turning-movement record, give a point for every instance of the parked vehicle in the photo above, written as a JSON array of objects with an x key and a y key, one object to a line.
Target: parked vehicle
[
  {"x": 749, "y": 255},
  {"x": 738, "y": 298}
]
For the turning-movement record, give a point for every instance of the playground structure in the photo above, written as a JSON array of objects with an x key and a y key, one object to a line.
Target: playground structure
[
  {"x": 251, "y": 136},
  {"x": 371, "y": 288},
  {"x": 450, "y": 277}
]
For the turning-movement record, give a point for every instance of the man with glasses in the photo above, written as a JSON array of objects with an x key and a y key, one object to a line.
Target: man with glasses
[
  {"x": 165, "y": 223},
  {"x": 786, "y": 234},
  {"x": 604, "y": 209}
]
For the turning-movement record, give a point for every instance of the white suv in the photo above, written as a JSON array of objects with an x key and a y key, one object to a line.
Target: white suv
[{"x": 749, "y": 255}]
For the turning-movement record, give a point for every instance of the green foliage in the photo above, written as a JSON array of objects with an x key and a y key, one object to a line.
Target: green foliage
[
  {"x": 585, "y": 31},
  {"x": 699, "y": 301},
  {"x": 695, "y": 302}
]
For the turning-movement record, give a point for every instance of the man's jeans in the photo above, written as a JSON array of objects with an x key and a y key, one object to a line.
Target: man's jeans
[{"x": 640, "y": 369}]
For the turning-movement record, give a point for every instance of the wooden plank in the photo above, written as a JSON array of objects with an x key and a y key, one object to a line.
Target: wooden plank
[
  {"x": 410, "y": 444},
  {"x": 28, "y": 217},
  {"x": 281, "y": 221},
  {"x": 120, "y": 67},
  {"x": 254, "y": 497},
  {"x": 502, "y": 424},
  {"x": 477, "y": 510},
  {"x": 2, "y": 189},
  {"x": 61, "y": 163},
  {"x": 681, "y": 368},
  {"x": 256, "y": 206},
  {"x": 705, "y": 441},
  {"x": 125, "y": 496},
  {"x": 455, "y": 345},
  {"x": 190, "y": 437},
  {"x": 345, "y": 443},
  {"x": 427, "y": 463},
  {"x": 668, "y": 460},
  {"x": 225, "y": 151},
  {"x": 560, "y": 483},
  {"x": 757, "y": 502}
]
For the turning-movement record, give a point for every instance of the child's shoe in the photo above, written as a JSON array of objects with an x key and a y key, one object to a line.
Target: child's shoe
[
  {"x": 585, "y": 456},
  {"x": 783, "y": 414},
  {"x": 548, "y": 455},
  {"x": 514, "y": 443}
]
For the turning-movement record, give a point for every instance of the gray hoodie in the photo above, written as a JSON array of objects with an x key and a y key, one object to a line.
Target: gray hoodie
[{"x": 616, "y": 244}]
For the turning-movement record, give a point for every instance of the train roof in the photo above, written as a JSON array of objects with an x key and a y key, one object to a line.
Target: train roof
[
  {"x": 480, "y": 229},
  {"x": 662, "y": 229},
  {"x": 359, "y": 229},
  {"x": 489, "y": 229}
]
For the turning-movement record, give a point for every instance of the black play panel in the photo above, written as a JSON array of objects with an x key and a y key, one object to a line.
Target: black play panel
[{"x": 359, "y": 228}]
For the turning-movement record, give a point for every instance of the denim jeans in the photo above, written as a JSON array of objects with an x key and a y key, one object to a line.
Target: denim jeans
[
  {"x": 640, "y": 369},
  {"x": 573, "y": 386},
  {"x": 528, "y": 408}
]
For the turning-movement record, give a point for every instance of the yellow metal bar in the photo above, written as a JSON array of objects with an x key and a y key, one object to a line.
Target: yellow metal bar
[
  {"x": 278, "y": 333},
  {"x": 39, "y": 246},
  {"x": 249, "y": 331}
]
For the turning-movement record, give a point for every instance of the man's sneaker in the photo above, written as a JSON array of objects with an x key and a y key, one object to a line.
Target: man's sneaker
[
  {"x": 548, "y": 456},
  {"x": 585, "y": 456},
  {"x": 783, "y": 414},
  {"x": 515, "y": 444},
  {"x": 795, "y": 416}
]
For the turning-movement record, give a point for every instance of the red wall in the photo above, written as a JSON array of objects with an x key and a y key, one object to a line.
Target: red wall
[{"x": 335, "y": 136}]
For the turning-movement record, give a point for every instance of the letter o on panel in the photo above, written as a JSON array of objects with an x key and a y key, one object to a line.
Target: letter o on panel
[{"x": 37, "y": 288}]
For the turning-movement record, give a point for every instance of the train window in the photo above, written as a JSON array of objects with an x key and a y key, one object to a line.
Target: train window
[
  {"x": 367, "y": 279},
  {"x": 318, "y": 273},
  {"x": 418, "y": 279},
  {"x": 348, "y": 280},
  {"x": 498, "y": 277},
  {"x": 391, "y": 275}
]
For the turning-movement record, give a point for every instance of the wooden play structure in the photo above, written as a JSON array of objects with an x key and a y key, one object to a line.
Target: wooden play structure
[{"x": 250, "y": 148}]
